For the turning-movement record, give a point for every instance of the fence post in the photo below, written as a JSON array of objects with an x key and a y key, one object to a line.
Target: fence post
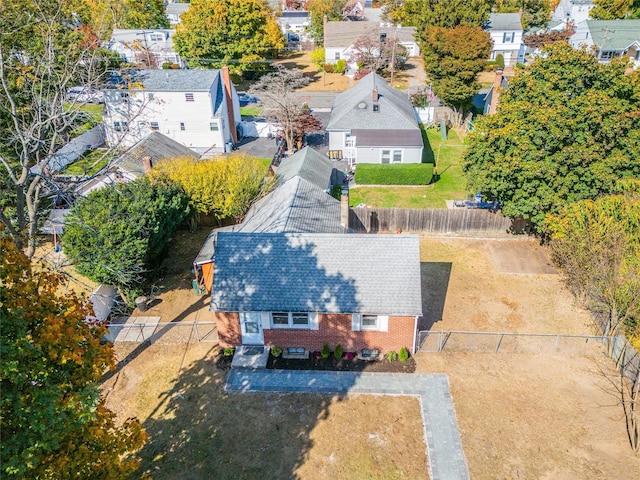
[
  {"x": 555, "y": 347},
  {"x": 195, "y": 329},
  {"x": 498, "y": 343}
]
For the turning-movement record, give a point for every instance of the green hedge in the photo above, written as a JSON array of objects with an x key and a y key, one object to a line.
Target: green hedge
[{"x": 388, "y": 174}]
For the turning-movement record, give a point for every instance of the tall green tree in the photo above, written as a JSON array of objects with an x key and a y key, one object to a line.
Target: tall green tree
[
  {"x": 238, "y": 33},
  {"x": 54, "y": 423},
  {"x": 612, "y": 9},
  {"x": 439, "y": 13},
  {"x": 452, "y": 59},
  {"x": 45, "y": 48},
  {"x": 566, "y": 129},
  {"x": 318, "y": 9},
  {"x": 105, "y": 15},
  {"x": 534, "y": 12},
  {"x": 116, "y": 235}
]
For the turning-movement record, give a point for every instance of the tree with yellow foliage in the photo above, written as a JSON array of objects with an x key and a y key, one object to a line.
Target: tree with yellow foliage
[{"x": 54, "y": 422}]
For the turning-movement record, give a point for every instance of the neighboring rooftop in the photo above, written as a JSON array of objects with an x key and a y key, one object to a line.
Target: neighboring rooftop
[
  {"x": 504, "y": 21},
  {"x": 345, "y": 34},
  {"x": 353, "y": 109},
  {"x": 176, "y": 80},
  {"x": 156, "y": 146},
  {"x": 308, "y": 164},
  {"x": 325, "y": 273},
  {"x": 614, "y": 34}
]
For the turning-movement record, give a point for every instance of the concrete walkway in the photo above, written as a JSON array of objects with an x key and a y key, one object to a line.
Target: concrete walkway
[{"x": 442, "y": 438}]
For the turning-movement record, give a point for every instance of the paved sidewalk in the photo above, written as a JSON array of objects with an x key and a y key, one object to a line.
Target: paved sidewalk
[{"x": 442, "y": 438}]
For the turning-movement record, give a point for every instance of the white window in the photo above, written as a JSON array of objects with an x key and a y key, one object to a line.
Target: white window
[
  {"x": 189, "y": 97},
  {"x": 120, "y": 126},
  {"x": 155, "y": 126},
  {"x": 369, "y": 322},
  {"x": 385, "y": 156},
  {"x": 290, "y": 319},
  {"x": 337, "y": 56},
  {"x": 182, "y": 126},
  {"x": 213, "y": 126},
  {"x": 508, "y": 37},
  {"x": 397, "y": 156},
  {"x": 157, "y": 37}
]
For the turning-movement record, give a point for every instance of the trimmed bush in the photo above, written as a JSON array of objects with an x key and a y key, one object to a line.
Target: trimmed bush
[
  {"x": 403, "y": 356},
  {"x": 500, "y": 60},
  {"x": 338, "y": 352},
  {"x": 328, "y": 67},
  {"x": 228, "y": 351},
  {"x": 392, "y": 356},
  {"x": 387, "y": 174},
  {"x": 341, "y": 66},
  {"x": 325, "y": 352},
  {"x": 276, "y": 351}
]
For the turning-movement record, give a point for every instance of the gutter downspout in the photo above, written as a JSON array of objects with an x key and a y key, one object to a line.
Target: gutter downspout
[{"x": 415, "y": 335}]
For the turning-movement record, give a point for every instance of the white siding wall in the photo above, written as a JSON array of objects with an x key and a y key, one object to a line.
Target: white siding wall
[
  {"x": 374, "y": 155},
  {"x": 169, "y": 110},
  {"x": 512, "y": 51},
  {"x": 336, "y": 140}
]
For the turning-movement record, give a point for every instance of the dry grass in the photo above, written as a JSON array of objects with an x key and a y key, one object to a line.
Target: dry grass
[{"x": 318, "y": 81}]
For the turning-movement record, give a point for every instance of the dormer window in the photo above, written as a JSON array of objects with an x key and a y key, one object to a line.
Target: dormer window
[
  {"x": 376, "y": 107},
  {"x": 189, "y": 97}
]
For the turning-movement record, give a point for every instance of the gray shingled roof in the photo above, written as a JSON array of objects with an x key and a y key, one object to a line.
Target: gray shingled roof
[
  {"x": 614, "y": 34},
  {"x": 504, "y": 21},
  {"x": 388, "y": 138},
  {"x": 326, "y": 273},
  {"x": 308, "y": 164},
  {"x": 295, "y": 206},
  {"x": 345, "y": 34},
  {"x": 176, "y": 80},
  {"x": 396, "y": 111},
  {"x": 155, "y": 145}
]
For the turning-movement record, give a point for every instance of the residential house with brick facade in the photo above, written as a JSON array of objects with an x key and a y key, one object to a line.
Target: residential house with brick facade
[{"x": 291, "y": 276}]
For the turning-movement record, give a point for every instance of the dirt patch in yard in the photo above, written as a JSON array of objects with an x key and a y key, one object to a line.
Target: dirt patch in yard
[{"x": 197, "y": 431}]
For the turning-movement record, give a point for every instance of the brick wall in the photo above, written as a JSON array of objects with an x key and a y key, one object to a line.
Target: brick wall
[{"x": 333, "y": 329}]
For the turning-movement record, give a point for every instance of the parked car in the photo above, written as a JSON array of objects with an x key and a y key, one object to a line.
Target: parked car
[
  {"x": 85, "y": 95},
  {"x": 245, "y": 98}
]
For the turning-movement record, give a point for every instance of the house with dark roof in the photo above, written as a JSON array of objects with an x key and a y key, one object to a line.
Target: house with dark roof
[
  {"x": 291, "y": 276},
  {"x": 340, "y": 37},
  {"x": 609, "y": 39},
  {"x": 374, "y": 123},
  {"x": 197, "y": 108},
  {"x": 506, "y": 33}
]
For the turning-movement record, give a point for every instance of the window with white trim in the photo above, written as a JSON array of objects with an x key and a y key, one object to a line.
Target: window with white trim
[
  {"x": 182, "y": 127},
  {"x": 385, "y": 156},
  {"x": 155, "y": 126},
  {"x": 120, "y": 126},
  {"x": 157, "y": 37},
  {"x": 336, "y": 56},
  {"x": 189, "y": 97},
  {"x": 213, "y": 126},
  {"x": 369, "y": 322},
  {"x": 290, "y": 319},
  {"x": 508, "y": 37},
  {"x": 397, "y": 156}
]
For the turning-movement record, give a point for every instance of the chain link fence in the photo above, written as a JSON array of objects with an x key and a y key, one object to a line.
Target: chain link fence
[{"x": 145, "y": 329}]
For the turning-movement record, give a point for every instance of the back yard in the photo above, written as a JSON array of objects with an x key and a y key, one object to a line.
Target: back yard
[
  {"x": 450, "y": 183},
  {"x": 521, "y": 416}
]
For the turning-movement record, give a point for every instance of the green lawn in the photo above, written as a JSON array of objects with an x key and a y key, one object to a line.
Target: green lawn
[
  {"x": 387, "y": 174},
  {"x": 250, "y": 111},
  {"x": 90, "y": 163},
  {"x": 451, "y": 183}
]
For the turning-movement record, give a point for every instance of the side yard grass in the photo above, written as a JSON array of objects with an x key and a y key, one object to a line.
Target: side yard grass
[
  {"x": 387, "y": 174},
  {"x": 444, "y": 156},
  {"x": 90, "y": 163}
]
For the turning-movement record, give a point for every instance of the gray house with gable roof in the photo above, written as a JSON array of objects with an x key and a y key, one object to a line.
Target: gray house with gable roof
[
  {"x": 290, "y": 276},
  {"x": 374, "y": 123}
]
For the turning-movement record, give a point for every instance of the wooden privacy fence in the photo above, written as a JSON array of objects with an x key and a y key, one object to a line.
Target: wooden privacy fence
[{"x": 436, "y": 220}]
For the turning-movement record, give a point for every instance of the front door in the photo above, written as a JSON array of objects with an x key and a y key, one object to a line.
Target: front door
[{"x": 251, "y": 327}]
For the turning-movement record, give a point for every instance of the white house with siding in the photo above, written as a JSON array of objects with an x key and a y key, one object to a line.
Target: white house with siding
[
  {"x": 506, "y": 35},
  {"x": 153, "y": 46},
  {"x": 197, "y": 108},
  {"x": 374, "y": 123}
]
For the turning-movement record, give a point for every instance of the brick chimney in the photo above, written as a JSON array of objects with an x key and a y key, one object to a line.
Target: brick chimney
[
  {"x": 495, "y": 95},
  {"x": 228, "y": 93},
  {"x": 147, "y": 164},
  {"x": 374, "y": 95},
  {"x": 344, "y": 208}
]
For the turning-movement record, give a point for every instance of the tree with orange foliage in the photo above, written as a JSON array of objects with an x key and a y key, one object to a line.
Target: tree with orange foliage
[{"x": 54, "y": 422}]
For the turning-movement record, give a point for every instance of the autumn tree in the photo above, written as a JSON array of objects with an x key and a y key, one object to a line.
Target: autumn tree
[
  {"x": 533, "y": 12},
  {"x": 318, "y": 9},
  {"x": 439, "y": 13},
  {"x": 277, "y": 93},
  {"x": 566, "y": 130},
  {"x": 613, "y": 9},
  {"x": 224, "y": 187},
  {"x": 117, "y": 234},
  {"x": 54, "y": 422},
  {"x": 537, "y": 40},
  {"x": 373, "y": 55},
  {"x": 44, "y": 50},
  {"x": 105, "y": 15},
  {"x": 453, "y": 57},
  {"x": 239, "y": 33}
]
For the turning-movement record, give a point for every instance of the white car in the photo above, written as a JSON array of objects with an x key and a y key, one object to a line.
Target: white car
[{"x": 85, "y": 95}]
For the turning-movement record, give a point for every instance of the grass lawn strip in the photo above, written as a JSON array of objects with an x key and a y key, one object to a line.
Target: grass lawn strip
[{"x": 407, "y": 174}]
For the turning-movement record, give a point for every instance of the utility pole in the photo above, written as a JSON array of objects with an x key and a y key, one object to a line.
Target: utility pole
[
  {"x": 605, "y": 37},
  {"x": 393, "y": 54}
]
